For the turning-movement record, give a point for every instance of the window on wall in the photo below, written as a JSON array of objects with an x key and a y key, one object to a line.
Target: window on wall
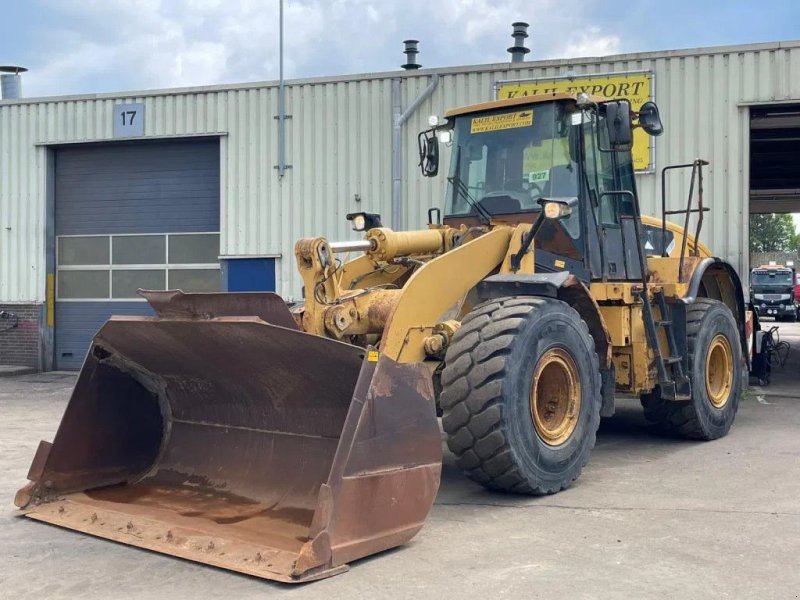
[{"x": 113, "y": 267}]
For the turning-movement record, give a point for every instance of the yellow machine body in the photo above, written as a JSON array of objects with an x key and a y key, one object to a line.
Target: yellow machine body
[{"x": 284, "y": 443}]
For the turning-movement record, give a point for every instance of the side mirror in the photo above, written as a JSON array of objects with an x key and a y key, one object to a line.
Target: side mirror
[
  {"x": 574, "y": 138},
  {"x": 428, "y": 153},
  {"x": 650, "y": 119},
  {"x": 618, "y": 123}
]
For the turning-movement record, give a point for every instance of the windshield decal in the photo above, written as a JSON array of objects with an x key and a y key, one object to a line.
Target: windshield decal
[
  {"x": 513, "y": 120},
  {"x": 536, "y": 176}
]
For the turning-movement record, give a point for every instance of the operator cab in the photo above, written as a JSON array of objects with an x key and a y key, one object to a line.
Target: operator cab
[{"x": 509, "y": 158}]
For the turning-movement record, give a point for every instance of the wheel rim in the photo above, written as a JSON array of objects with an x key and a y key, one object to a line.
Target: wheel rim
[
  {"x": 555, "y": 396},
  {"x": 719, "y": 371}
]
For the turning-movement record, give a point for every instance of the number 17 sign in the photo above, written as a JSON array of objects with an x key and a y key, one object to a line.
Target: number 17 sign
[{"x": 128, "y": 120}]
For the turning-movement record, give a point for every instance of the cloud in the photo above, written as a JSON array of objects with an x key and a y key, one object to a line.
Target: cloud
[
  {"x": 593, "y": 43},
  {"x": 96, "y": 46}
]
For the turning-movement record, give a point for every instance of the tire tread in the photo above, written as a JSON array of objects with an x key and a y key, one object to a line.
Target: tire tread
[
  {"x": 472, "y": 378},
  {"x": 675, "y": 417}
]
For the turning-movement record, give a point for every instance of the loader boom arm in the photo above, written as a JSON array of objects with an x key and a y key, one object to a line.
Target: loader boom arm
[{"x": 437, "y": 287}]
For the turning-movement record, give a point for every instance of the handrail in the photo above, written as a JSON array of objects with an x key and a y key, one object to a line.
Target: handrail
[{"x": 697, "y": 173}]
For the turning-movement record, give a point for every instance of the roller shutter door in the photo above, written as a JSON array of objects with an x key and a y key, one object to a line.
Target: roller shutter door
[{"x": 130, "y": 215}]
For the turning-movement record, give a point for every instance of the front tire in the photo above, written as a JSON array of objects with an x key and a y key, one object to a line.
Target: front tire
[
  {"x": 715, "y": 370},
  {"x": 521, "y": 395}
]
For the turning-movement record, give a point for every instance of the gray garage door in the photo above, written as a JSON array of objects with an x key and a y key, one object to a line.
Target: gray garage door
[{"x": 129, "y": 216}]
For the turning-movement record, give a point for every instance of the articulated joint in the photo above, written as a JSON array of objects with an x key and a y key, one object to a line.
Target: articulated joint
[{"x": 388, "y": 244}]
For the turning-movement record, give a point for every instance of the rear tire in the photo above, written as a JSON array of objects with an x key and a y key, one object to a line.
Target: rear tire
[
  {"x": 712, "y": 342},
  {"x": 521, "y": 395}
]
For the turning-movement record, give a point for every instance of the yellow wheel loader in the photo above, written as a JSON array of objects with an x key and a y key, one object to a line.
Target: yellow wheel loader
[{"x": 283, "y": 442}]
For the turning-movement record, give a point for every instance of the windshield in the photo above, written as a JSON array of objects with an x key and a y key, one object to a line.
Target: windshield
[
  {"x": 507, "y": 160},
  {"x": 772, "y": 278}
]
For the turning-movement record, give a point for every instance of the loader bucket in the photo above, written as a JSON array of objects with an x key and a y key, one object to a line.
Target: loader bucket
[{"x": 238, "y": 443}]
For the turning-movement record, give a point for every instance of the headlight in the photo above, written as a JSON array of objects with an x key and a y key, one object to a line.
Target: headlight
[
  {"x": 556, "y": 210},
  {"x": 364, "y": 221}
]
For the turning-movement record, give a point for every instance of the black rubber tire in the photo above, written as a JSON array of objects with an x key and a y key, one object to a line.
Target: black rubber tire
[
  {"x": 486, "y": 395},
  {"x": 697, "y": 418}
]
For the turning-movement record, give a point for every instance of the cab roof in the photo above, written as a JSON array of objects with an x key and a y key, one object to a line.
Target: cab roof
[{"x": 518, "y": 101}]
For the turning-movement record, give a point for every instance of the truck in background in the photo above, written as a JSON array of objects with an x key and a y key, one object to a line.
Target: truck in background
[{"x": 773, "y": 291}]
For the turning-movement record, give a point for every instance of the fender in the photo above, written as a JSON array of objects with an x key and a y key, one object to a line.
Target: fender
[{"x": 716, "y": 278}]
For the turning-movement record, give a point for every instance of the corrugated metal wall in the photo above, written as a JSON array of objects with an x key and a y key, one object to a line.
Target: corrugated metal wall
[{"x": 339, "y": 140}]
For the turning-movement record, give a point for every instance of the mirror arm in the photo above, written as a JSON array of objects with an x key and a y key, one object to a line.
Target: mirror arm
[{"x": 516, "y": 259}]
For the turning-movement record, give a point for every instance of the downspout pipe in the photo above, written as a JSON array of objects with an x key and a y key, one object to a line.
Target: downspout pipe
[
  {"x": 399, "y": 118},
  {"x": 397, "y": 144}
]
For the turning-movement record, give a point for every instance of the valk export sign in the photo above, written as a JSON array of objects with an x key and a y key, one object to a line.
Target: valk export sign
[{"x": 636, "y": 87}]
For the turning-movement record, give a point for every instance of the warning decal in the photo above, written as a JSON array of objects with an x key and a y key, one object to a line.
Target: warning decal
[{"x": 502, "y": 121}]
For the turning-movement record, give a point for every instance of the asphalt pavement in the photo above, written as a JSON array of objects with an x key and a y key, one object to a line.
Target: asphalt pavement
[{"x": 651, "y": 517}]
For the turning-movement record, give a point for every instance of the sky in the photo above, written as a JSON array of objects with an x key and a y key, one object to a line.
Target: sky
[{"x": 90, "y": 46}]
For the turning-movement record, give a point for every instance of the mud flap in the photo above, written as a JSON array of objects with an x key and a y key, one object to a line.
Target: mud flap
[{"x": 241, "y": 444}]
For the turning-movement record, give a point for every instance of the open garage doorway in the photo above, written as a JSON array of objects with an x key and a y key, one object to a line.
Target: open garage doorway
[{"x": 774, "y": 233}]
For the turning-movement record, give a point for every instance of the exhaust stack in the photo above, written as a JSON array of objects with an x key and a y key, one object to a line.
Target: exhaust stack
[
  {"x": 518, "y": 50},
  {"x": 11, "y": 82},
  {"x": 411, "y": 52}
]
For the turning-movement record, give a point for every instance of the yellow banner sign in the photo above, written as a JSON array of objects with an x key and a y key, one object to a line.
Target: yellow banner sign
[
  {"x": 635, "y": 87},
  {"x": 502, "y": 121}
]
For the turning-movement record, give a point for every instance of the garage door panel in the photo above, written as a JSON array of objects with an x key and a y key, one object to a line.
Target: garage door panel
[
  {"x": 128, "y": 188},
  {"x": 141, "y": 188},
  {"x": 77, "y": 322}
]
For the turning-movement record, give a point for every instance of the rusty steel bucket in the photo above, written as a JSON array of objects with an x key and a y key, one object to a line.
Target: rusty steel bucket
[{"x": 219, "y": 432}]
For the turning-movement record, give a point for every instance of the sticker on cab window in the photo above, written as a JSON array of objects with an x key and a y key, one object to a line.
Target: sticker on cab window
[
  {"x": 523, "y": 118},
  {"x": 539, "y": 176}
]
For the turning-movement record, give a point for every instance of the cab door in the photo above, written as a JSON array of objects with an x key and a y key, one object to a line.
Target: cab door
[{"x": 611, "y": 193}]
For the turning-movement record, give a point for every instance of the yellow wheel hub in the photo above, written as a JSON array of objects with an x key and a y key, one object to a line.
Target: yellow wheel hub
[
  {"x": 555, "y": 396},
  {"x": 719, "y": 371}
]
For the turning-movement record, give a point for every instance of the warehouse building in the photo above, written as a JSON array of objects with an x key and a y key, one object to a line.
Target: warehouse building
[{"x": 197, "y": 189}]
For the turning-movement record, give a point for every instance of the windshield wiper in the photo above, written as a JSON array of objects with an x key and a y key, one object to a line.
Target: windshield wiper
[{"x": 463, "y": 191}]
